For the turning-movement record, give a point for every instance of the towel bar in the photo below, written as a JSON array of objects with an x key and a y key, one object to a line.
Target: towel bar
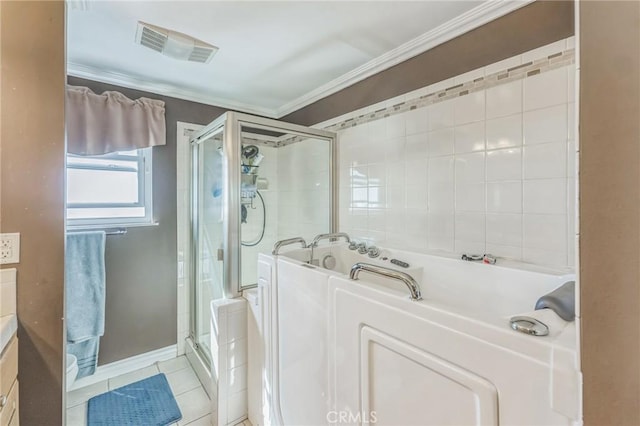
[{"x": 107, "y": 231}]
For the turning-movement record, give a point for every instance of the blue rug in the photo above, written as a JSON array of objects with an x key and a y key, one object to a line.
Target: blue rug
[{"x": 148, "y": 402}]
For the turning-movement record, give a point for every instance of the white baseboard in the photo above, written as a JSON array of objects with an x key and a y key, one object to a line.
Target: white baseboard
[{"x": 127, "y": 365}]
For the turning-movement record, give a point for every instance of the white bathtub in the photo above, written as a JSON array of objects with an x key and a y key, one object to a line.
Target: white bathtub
[{"x": 339, "y": 351}]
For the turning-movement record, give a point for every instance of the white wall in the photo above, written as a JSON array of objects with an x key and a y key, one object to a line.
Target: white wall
[{"x": 492, "y": 171}]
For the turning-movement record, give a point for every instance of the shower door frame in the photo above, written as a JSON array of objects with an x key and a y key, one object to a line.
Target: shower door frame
[
  {"x": 215, "y": 127},
  {"x": 231, "y": 124},
  {"x": 237, "y": 121}
]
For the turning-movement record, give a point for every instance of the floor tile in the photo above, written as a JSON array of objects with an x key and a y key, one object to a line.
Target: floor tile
[
  {"x": 83, "y": 394},
  {"x": 193, "y": 405},
  {"x": 247, "y": 423},
  {"x": 174, "y": 365},
  {"x": 190, "y": 395},
  {"x": 182, "y": 381},
  {"x": 132, "y": 377},
  {"x": 77, "y": 416},
  {"x": 202, "y": 421}
]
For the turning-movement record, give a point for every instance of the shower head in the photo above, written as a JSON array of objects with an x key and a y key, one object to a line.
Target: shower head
[{"x": 250, "y": 151}]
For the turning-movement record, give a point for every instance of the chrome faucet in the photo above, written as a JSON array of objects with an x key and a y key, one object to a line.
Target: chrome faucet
[
  {"x": 333, "y": 236},
  {"x": 362, "y": 248},
  {"x": 407, "y": 279}
]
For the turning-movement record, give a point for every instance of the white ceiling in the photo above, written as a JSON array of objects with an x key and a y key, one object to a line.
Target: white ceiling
[{"x": 274, "y": 56}]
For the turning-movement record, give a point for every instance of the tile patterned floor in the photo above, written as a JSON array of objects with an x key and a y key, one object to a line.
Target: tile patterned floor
[{"x": 190, "y": 395}]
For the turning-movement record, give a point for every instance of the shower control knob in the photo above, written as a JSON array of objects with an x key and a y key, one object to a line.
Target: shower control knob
[
  {"x": 362, "y": 248},
  {"x": 373, "y": 252},
  {"x": 353, "y": 245}
]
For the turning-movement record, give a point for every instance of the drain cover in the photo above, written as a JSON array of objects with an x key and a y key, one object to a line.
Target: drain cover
[{"x": 529, "y": 325}]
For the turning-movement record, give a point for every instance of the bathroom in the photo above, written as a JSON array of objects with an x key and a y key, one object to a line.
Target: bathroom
[{"x": 430, "y": 131}]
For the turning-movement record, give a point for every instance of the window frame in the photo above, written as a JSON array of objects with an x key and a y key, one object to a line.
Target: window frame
[{"x": 145, "y": 193}]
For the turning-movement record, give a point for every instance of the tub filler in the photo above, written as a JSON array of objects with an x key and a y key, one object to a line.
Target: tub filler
[{"x": 343, "y": 351}]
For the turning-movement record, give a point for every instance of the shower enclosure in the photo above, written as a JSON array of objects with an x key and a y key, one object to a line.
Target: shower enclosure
[{"x": 254, "y": 181}]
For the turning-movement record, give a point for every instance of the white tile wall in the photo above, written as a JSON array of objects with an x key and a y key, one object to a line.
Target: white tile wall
[
  {"x": 303, "y": 184},
  {"x": 492, "y": 171},
  {"x": 230, "y": 359},
  {"x": 505, "y": 99}
]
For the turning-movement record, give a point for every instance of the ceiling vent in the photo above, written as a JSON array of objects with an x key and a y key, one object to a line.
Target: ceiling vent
[{"x": 174, "y": 44}]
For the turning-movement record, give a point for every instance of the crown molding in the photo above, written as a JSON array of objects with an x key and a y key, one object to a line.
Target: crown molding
[
  {"x": 124, "y": 80},
  {"x": 474, "y": 18}
]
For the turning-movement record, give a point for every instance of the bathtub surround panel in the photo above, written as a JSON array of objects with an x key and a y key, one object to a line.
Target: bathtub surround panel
[
  {"x": 480, "y": 163},
  {"x": 610, "y": 211},
  {"x": 379, "y": 362},
  {"x": 142, "y": 262},
  {"x": 469, "y": 398},
  {"x": 32, "y": 194},
  {"x": 532, "y": 26}
]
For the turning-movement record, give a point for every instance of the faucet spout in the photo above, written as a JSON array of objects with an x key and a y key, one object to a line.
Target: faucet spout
[{"x": 333, "y": 236}]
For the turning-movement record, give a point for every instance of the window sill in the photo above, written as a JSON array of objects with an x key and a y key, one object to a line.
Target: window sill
[{"x": 107, "y": 226}]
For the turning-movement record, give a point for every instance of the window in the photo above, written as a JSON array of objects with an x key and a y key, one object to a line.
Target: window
[{"x": 110, "y": 189}]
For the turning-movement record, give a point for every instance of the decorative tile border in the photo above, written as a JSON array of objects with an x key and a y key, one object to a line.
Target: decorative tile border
[{"x": 520, "y": 72}]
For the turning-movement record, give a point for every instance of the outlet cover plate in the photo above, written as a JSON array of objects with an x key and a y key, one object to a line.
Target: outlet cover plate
[{"x": 9, "y": 248}]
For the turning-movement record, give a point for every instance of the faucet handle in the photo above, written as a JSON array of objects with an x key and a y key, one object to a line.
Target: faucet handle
[
  {"x": 490, "y": 259},
  {"x": 373, "y": 252},
  {"x": 362, "y": 248},
  {"x": 353, "y": 245}
]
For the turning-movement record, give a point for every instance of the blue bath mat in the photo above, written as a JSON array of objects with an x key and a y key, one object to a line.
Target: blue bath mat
[{"x": 148, "y": 402}]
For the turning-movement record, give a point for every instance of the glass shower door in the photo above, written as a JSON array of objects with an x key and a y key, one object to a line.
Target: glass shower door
[
  {"x": 208, "y": 234},
  {"x": 255, "y": 181}
]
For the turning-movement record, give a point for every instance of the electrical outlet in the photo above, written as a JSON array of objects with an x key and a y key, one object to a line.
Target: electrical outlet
[{"x": 9, "y": 248}]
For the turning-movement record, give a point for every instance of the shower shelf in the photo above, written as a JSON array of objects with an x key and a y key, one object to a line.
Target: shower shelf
[
  {"x": 248, "y": 187},
  {"x": 248, "y": 169}
]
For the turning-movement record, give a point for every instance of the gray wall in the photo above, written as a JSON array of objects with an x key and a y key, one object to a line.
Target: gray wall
[
  {"x": 535, "y": 25},
  {"x": 32, "y": 194},
  {"x": 141, "y": 306}
]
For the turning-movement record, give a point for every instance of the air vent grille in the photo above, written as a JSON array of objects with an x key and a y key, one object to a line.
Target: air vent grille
[
  {"x": 174, "y": 44},
  {"x": 153, "y": 39},
  {"x": 201, "y": 54}
]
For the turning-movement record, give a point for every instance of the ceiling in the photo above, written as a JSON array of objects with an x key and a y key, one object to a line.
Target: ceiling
[{"x": 274, "y": 57}]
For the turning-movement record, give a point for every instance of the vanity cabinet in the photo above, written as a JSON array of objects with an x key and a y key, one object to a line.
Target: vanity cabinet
[{"x": 9, "y": 413}]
